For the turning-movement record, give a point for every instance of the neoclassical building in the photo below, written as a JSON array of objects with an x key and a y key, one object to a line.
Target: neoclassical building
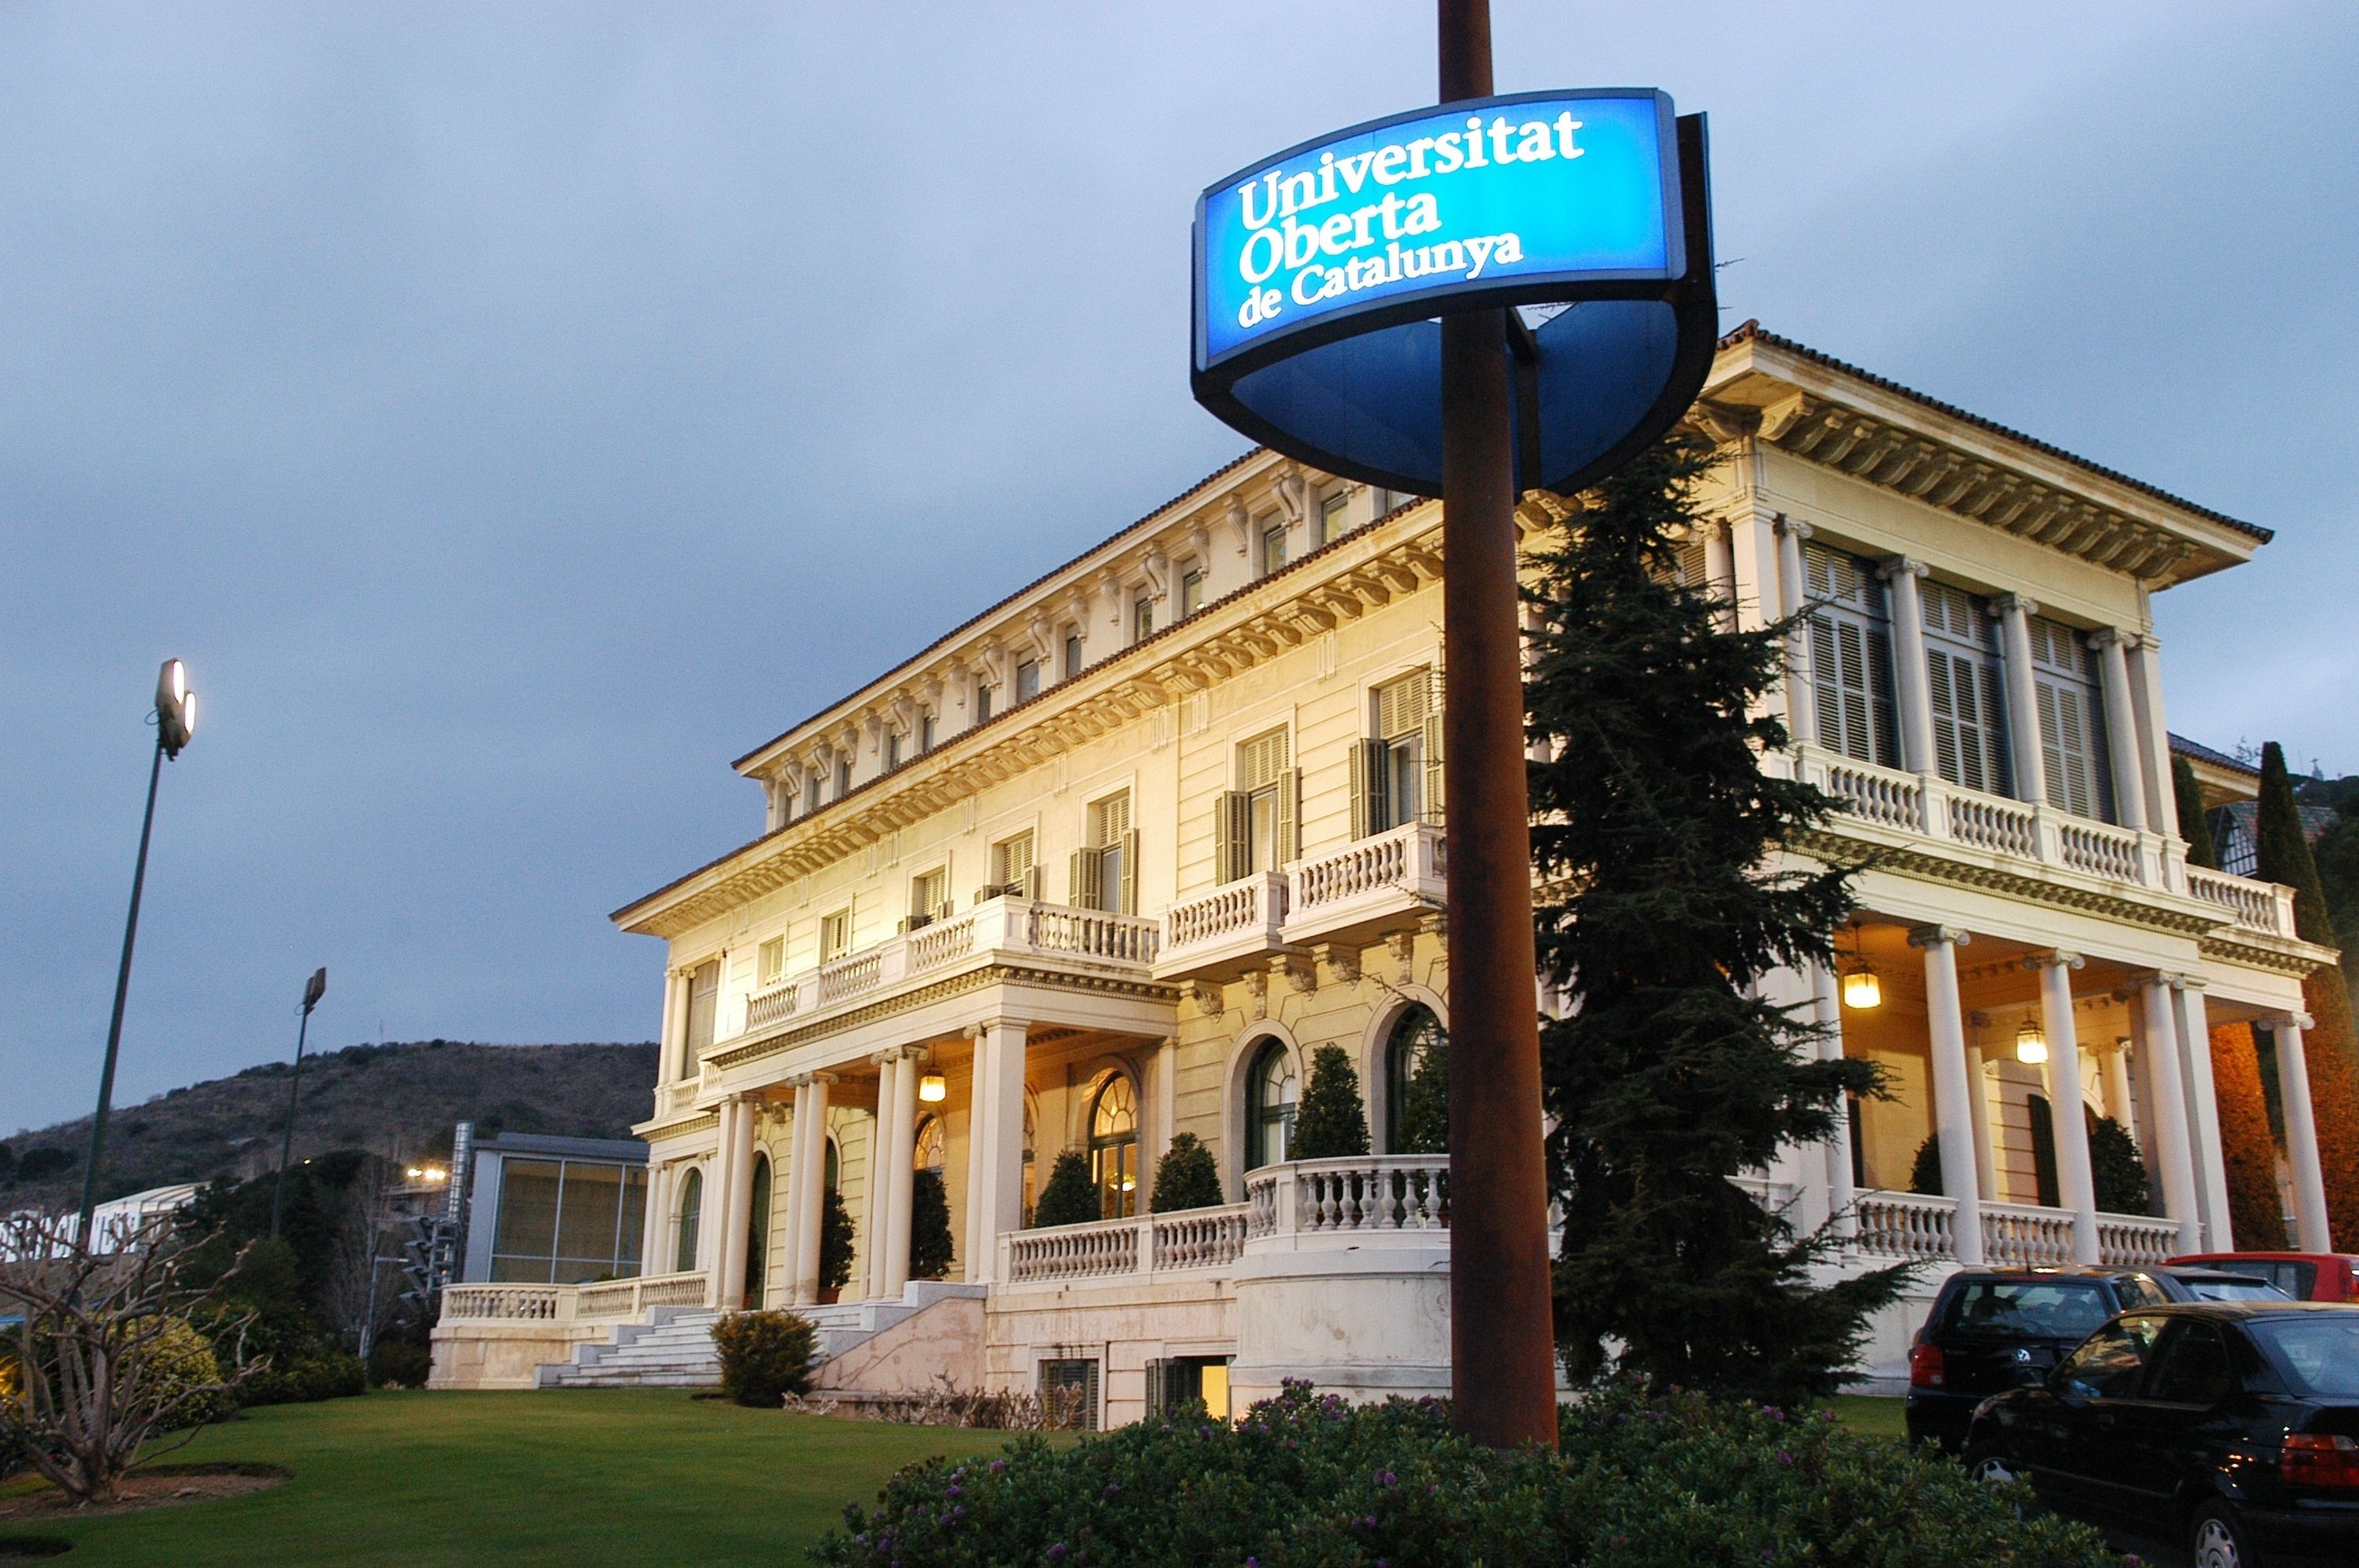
[{"x": 1106, "y": 863}]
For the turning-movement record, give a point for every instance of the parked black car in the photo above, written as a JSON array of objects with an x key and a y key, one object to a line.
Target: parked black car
[
  {"x": 1994, "y": 1329},
  {"x": 2232, "y": 1424}
]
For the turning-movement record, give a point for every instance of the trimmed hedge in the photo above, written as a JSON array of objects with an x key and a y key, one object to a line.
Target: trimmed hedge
[
  {"x": 765, "y": 1357},
  {"x": 331, "y": 1376},
  {"x": 1311, "y": 1482}
]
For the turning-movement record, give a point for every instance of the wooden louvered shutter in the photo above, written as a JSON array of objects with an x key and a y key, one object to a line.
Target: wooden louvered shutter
[
  {"x": 1081, "y": 879},
  {"x": 1826, "y": 674},
  {"x": 1947, "y": 753},
  {"x": 1432, "y": 745},
  {"x": 1129, "y": 900},
  {"x": 1995, "y": 736},
  {"x": 2052, "y": 746},
  {"x": 1229, "y": 833},
  {"x": 1885, "y": 700},
  {"x": 1368, "y": 815},
  {"x": 1289, "y": 796}
]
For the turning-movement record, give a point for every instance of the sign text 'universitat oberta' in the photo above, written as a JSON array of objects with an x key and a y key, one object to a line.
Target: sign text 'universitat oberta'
[{"x": 1538, "y": 188}]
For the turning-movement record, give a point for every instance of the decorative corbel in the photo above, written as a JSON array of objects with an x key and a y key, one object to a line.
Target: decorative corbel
[
  {"x": 1298, "y": 970},
  {"x": 1342, "y": 961},
  {"x": 1210, "y": 999},
  {"x": 1241, "y": 524},
  {"x": 1402, "y": 946},
  {"x": 1782, "y": 416},
  {"x": 1157, "y": 571},
  {"x": 1292, "y": 489},
  {"x": 1257, "y": 986}
]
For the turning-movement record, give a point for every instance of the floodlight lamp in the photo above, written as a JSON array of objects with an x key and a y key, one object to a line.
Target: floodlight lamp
[
  {"x": 176, "y": 706},
  {"x": 933, "y": 1088},
  {"x": 1862, "y": 990},
  {"x": 2030, "y": 1043}
]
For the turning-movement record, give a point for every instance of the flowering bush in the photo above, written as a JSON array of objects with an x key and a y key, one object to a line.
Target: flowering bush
[{"x": 1311, "y": 1482}]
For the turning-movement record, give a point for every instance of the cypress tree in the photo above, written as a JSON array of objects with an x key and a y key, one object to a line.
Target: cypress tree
[
  {"x": 1070, "y": 1197},
  {"x": 1185, "y": 1177},
  {"x": 1330, "y": 1123},
  {"x": 835, "y": 1236},
  {"x": 2191, "y": 826},
  {"x": 930, "y": 1248},
  {"x": 1673, "y": 1073},
  {"x": 2247, "y": 1149},
  {"x": 2331, "y": 1053},
  {"x": 2115, "y": 1170},
  {"x": 1423, "y": 1122}
]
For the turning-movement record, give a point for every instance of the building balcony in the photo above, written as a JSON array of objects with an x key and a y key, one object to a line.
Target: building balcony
[
  {"x": 1897, "y": 807},
  {"x": 1918, "y": 1228},
  {"x": 1355, "y": 892},
  {"x": 608, "y": 1300},
  {"x": 997, "y": 930}
]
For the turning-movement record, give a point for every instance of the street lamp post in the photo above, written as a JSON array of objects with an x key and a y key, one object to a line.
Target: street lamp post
[
  {"x": 176, "y": 720},
  {"x": 313, "y": 989}
]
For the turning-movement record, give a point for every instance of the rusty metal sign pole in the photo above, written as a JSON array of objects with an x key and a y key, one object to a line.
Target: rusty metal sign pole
[{"x": 1502, "y": 1340}]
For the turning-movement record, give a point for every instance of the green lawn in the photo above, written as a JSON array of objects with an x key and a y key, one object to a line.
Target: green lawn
[
  {"x": 607, "y": 1476},
  {"x": 1871, "y": 1417}
]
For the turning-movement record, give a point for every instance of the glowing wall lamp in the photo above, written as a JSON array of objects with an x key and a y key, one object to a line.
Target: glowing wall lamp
[
  {"x": 1862, "y": 990},
  {"x": 2030, "y": 1043},
  {"x": 932, "y": 1088}
]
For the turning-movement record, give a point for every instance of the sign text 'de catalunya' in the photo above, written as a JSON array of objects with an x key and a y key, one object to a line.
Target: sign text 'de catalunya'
[{"x": 1574, "y": 186}]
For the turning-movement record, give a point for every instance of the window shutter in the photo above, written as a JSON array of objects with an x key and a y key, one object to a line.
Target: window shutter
[
  {"x": 1434, "y": 799},
  {"x": 1947, "y": 760},
  {"x": 1229, "y": 836},
  {"x": 1081, "y": 882},
  {"x": 2052, "y": 747},
  {"x": 1824, "y": 674},
  {"x": 1289, "y": 801},
  {"x": 1129, "y": 874},
  {"x": 1886, "y": 701},
  {"x": 1154, "y": 1396},
  {"x": 1995, "y": 736}
]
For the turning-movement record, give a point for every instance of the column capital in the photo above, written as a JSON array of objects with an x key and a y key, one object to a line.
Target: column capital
[
  {"x": 1793, "y": 526},
  {"x": 2299, "y": 1021},
  {"x": 2060, "y": 960},
  {"x": 1901, "y": 565},
  {"x": 2181, "y": 982},
  {"x": 2106, "y": 637},
  {"x": 978, "y": 1031},
  {"x": 2009, "y": 603},
  {"x": 1931, "y": 936}
]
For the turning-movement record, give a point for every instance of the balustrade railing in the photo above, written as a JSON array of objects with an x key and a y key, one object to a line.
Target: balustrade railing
[
  {"x": 607, "y": 1300},
  {"x": 2020, "y": 1236},
  {"x": 2251, "y": 905},
  {"x": 1093, "y": 933},
  {"x": 1413, "y": 857},
  {"x": 2102, "y": 851},
  {"x": 1074, "y": 1252},
  {"x": 1921, "y": 1227},
  {"x": 850, "y": 977},
  {"x": 1199, "y": 1237},
  {"x": 1255, "y": 904},
  {"x": 2128, "y": 1240},
  {"x": 1985, "y": 822},
  {"x": 1878, "y": 794},
  {"x": 772, "y": 1006},
  {"x": 1361, "y": 1196},
  {"x": 1906, "y": 1224},
  {"x": 941, "y": 943}
]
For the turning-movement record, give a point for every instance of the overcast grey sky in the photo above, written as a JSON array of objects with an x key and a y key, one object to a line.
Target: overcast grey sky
[{"x": 513, "y": 413}]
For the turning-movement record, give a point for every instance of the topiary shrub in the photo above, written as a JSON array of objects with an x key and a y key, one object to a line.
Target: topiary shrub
[
  {"x": 1422, "y": 1123},
  {"x": 1925, "y": 1171},
  {"x": 2117, "y": 1172},
  {"x": 1185, "y": 1177},
  {"x": 765, "y": 1357},
  {"x": 1330, "y": 1123},
  {"x": 1070, "y": 1197},
  {"x": 930, "y": 1248},
  {"x": 1305, "y": 1481},
  {"x": 835, "y": 1235}
]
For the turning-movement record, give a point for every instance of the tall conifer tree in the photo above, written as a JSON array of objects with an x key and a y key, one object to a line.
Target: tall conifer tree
[
  {"x": 1670, "y": 1073},
  {"x": 2248, "y": 1150},
  {"x": 2332, "y": 1051},
  {"x": 2192, "y": 827}
]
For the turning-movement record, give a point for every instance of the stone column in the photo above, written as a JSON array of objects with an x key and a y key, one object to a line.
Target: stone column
[
  {"x": 2119, "y": 1103},
  {"x": 999, "y": 1193},
  {"x": 974, "y": 1224},
  {"x": 1720, "y": 570},
  {"x": 901, "y": 1152},
  {"x": 2143, "y": 669},
  {"x": 1910, "y": 674},
  {"x": 2030, "y": 758},
  {"x": 2203, "y": 1110},
  {"x": 2121, "y": 729},
  {"x": 1841, "y": 1192},
  {"x": 2075, "y": 1183},
  {"x": 2302, "y": 1133},
  {"x": 1801, "y": 699},
  {"x": 810, "y": 1185},
  {"x": 880, "y": 1171},
  {"x": 1979, "y": 1099},
  {"x": 787, "y": 1183},
  {"x": 2158, "y": 1055},
  {"x": 737, "y": 1203},
  {"x": 1953, "y": 1124},
  {"x": 676, "y": 1064},
  {"x": 654, "y": 1232}
]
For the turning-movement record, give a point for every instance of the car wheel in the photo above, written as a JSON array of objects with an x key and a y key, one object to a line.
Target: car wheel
[
  {"x": 2215, "y": 1539},
  {"x": 1992, "y": 1466}
]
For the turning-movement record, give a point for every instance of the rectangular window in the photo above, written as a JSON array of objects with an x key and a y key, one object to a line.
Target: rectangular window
[
  {"x": 810, "y": 794},
  {"x": 842, "y": 777},
  {"x": 1012, "y": 869},
  {"x": 1396, "y": 773},
  {"x": 930, "y": 898},
  {"x": 770, "y": 962},
  {"x": 1961, "y": 667},
  {"x": 1104, "y": 872},
  {"x": 893, "y": 749},
  {"x": 834, "y": 936},
  {"x": 1256, "y": 827},
  {"x": 1069, "y": 1389},
  {"x": 703, "y": 1008},
  {"x": 924, "y": 731},
  {"x": 2071, "y": 722},
  {"x": 1273, "y": 546},
  {"x": 1072, "y": 654},
  {"x": 1850, "y": 658},
  {"x": 1027, "y": 679},
  {"x": 1142, "y": 619},
  {"x": 982, "y": 703},
  {"x": 1191, "y": 591},
  {"x": 1330, "y": 524}
]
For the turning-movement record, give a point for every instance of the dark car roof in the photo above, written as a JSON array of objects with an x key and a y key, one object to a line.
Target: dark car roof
[{"x": 2243, "y": 1312}]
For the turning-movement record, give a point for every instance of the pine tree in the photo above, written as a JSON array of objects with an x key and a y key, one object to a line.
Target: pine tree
[
  {"x": 1423, "y": 1121},
  {"x": 2329, "y": 1047},
  {"x": 931, "y": 1250},
  {"x": 835, "y": 1238},
  {"x": 2191, "y": 825},
  {"x": 1330, "y": 1123},
  {"x": 1671, "y": 1075},
  {"x": 1185, "y": 1177},
  {"x": 1070, "y": 1197},
  {"x": 2247, "y": 1149}
]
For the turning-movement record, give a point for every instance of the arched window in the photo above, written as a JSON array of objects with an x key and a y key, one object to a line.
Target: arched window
[
  {"x": 1028, "y": 1166},
  {"x": 1114, "y": 1147},
  {"x": 928, "y": 1155},
  {"x": 757, "y": 1233},
  {"x": 1271, "y": 1090},
  {"x": 692, "y": 1209},
  {"x": 1417, "y": 1122},
  {"x": 834, "y": 1167}
]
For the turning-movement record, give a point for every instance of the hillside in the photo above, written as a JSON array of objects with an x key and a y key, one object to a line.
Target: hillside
[{"x": 398, "y": 1099}]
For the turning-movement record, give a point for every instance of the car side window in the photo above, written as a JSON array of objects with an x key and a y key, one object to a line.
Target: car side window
[
  {"x": 2138, "y": 1290},
  {"x": 2194, "y": 1368},
  {"x": 2111, "y": 1362}
]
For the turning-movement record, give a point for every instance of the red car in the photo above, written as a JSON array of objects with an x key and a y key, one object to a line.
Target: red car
[{"x": 2304, "y": 1276}]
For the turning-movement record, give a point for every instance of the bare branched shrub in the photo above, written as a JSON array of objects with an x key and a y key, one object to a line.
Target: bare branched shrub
[{"x": 103, "y": 1363}]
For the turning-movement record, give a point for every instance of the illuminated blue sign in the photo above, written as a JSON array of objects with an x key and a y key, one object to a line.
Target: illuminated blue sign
[{"x": 1512, "y": 197}]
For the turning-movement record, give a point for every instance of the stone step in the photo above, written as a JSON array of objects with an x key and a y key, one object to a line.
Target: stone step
[{"x": 673, "y": 1348}]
